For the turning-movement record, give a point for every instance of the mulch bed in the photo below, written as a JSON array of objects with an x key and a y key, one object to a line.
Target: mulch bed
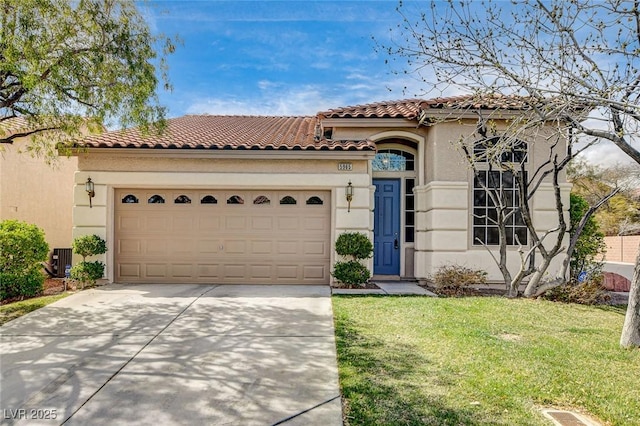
[
  {"x": 55, "y": 286},
  {"x": 466, "y": 292},
  {"x": 367, "y": 286}
]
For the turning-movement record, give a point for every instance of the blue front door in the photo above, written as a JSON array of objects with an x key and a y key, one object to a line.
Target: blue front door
[{"x": 386, "y": 227}]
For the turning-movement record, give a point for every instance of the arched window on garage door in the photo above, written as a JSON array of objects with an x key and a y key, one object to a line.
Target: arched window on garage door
[{"x": 156, "y": 199}]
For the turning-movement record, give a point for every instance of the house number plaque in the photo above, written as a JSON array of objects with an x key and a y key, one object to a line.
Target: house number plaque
[{"x": 345, "y": 166}]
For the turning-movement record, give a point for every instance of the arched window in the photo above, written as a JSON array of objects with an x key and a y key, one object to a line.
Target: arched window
[
  {"x": 209, "y": 199},
  {"x": 261, "y": 199},
  {"x": 130, "y": 199},
  {"x": 156, "y": 199},
  {"x": 315, "y": 201},
  {"x": 393, "y": 160},
  {"x": 499, "y": 149},
  {"x": 235, "y": 199},
  {"x": 182, "y": 199},
  {"x": 288, "y": 200}
]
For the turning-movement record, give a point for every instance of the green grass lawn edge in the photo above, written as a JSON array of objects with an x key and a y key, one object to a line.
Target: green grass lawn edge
[
  {"x": 15, "y": 310},
  {"x": 481, "y": 361}
]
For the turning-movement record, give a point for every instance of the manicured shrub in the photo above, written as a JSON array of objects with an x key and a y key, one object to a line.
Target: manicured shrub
[
  {"x": 455, "y": 278},
  {"x": 89, "y": 245},
  {"x": 356, "y": 246},
  {"x": 351, "y": 272},
  {"x": 27, "y": 284},
  {"x": 87, "y": 272},
  {"x": 22, "y": 249}
]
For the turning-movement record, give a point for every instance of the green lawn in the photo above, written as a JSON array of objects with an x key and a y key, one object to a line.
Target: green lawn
[
  {"x": 481, "y": 361},
  {"x": 18, "y": 309}
]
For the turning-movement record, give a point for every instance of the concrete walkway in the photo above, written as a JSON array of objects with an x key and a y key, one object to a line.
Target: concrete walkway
[{"x": 174, "y": 354}]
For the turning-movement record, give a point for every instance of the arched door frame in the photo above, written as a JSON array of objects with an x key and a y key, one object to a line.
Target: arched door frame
[{"x": 417, "y": 174}]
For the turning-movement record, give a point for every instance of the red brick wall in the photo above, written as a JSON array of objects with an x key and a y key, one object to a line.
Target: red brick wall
[
  {"x": 622, "y": 248},
  {"x": 615, "y": 282}
]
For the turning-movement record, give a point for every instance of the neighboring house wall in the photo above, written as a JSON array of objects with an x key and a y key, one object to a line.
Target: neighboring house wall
[
  {"x": 34, "y": 192},
  {"x": 622, "y": 248},
  {"x": 211, "y": 170}
]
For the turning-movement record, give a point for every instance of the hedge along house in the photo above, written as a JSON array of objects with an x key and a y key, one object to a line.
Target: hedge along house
[{"x": 245, "y": 199}]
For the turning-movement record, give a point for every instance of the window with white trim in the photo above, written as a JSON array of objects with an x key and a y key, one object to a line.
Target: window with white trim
[
  {"x": 495, "y": 198},
  {"x": 496, "y": 193}
]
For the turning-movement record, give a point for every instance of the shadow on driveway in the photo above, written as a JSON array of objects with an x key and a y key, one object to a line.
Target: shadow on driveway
[{"x": 174, "y": 354}]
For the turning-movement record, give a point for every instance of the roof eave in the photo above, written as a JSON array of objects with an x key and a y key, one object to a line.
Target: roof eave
[
  {"x": 368, "y": 122},
  {"x": 291, "y": 154}
]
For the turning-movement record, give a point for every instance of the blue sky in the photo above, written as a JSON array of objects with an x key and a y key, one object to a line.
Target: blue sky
[
  {"x": 277, "y": 57},
  {"x": 286, "y": 57}
]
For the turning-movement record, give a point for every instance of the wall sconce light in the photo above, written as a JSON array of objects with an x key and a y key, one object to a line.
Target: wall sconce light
[
  {"x": 88, "y": 186},
  {"x": 348, "y": 192}
]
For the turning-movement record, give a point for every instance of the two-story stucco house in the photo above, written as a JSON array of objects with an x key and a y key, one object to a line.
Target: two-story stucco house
[{"x": 246, "y": 199}]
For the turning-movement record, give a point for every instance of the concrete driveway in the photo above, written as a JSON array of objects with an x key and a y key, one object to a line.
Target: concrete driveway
[{"x": 174, "y": 354}]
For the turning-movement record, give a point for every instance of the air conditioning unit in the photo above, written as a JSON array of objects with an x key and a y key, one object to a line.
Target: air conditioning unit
[{"x": 60, "y": 258}]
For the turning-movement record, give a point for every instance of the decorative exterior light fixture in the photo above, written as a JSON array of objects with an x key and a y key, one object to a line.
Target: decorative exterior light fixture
[
  {"x": 88, "y": 186},
  {"x": 348, "y": 192}
]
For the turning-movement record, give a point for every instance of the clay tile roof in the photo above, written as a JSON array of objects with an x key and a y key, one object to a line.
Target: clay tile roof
[
  {"x": 230, "y": 132},
  {"x": 484, "y": 101},
  {"x": 411, "y": 108},
  {"x": 408, "y": 108}
]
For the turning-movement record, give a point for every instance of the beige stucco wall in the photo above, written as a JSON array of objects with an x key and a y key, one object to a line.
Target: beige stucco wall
[
  {"x": 35, "y": 192},
  {"x": 444, "y": 227},
  {"x": 109, "y": 172},
  {"x": 442, "y": 193},
  {"x": 443, "y": 197}
]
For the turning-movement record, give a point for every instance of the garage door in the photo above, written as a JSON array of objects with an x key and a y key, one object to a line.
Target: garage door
[{"x": 254, "y": 237}]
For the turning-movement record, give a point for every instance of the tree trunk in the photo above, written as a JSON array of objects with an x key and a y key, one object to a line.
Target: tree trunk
[{"x": 631, "y": 330}]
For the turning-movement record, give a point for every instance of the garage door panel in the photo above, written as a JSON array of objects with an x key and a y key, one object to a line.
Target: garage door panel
[
  {"x": 156, "y": 247},
  {"x": 314, "y": 248},
  {"x": 287, "y": 247},
  {"x": 183, "y": 248},
  {"x": 129, "y": 222},
  {"x": 314, "y": 223},
  {"x": 209, "y": 271},
  {"x": 262, "y": 223},
  {"x": 237, "y": 271},
  {"x": 236, "y": 223},
  {"x": 287, "y": 272},
  {"x": 155, "y": 222},
  {"x": 183, "y": 224},
  {"x": 209, "y": 246},
  {"x": 156, "y": 270},
  {"x": 223, "y": 243},
  {"x": 311, "y": 272},
  {"x": 260, "y": 272},
  {"x": 288, "y": 223},
  {"x": 129, "y": 247},
  {"x": 182, "y": 270},
  {"x": 129, "y": 270},
  {"x": 262, "y": 247},
  {"x": 208, "y": 222},
  {"x": 235, "y": 247}
]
